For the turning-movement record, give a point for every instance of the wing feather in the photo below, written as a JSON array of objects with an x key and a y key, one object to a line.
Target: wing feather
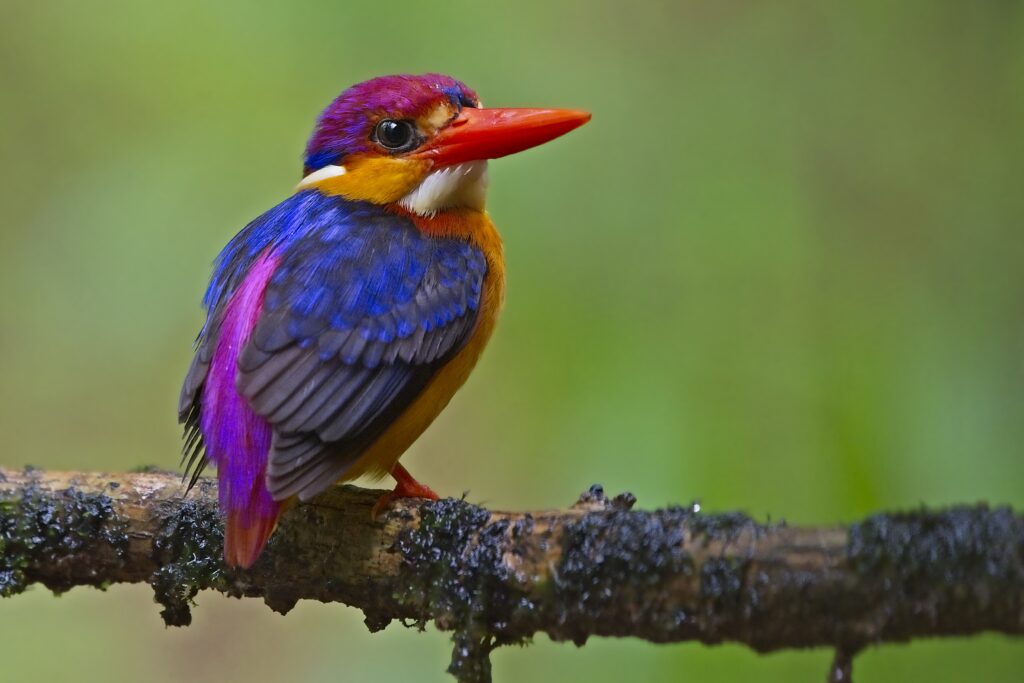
[
  {"x": 357, "y": 319},
  {"x": 361, "y": 312},
  {"x": 269, "y": 231}
]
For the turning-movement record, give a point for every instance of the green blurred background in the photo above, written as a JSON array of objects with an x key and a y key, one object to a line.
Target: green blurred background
[{"x": 782, "y": 270}]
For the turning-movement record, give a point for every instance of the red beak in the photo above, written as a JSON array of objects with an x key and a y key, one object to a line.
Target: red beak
[{"x": 492, "y": 133}]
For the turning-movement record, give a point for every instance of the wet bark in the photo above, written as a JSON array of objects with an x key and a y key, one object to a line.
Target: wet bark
[{"x": 493, "y": 578}]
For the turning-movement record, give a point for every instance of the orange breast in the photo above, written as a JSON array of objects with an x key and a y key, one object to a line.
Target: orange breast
[{"x": 475, "y": 226}]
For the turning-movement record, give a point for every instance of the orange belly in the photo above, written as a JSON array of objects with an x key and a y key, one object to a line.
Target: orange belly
[{"x": 475, "y": 226}]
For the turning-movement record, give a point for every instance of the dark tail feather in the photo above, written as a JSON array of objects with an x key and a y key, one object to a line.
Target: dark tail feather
[{"x": 244, "y": 539}]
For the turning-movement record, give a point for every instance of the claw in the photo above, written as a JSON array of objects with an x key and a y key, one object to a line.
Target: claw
[{"x": 405, "y": 487}]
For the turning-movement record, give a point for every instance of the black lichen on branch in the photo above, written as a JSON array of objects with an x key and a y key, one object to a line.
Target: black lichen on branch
[
  {"x": 187, "y": 550},
  {"x": 956, "y": 565},
  {"x": 40, "y": 529},
  {"x": 454, "y": 573},
  {"x": 605, "y": 550}
]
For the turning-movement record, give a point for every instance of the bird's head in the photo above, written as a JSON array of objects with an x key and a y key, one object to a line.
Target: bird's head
[{"x": 420, "y": 141}]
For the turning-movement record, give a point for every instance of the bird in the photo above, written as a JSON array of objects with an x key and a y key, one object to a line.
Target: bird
[{"x": 342, "y": 321}]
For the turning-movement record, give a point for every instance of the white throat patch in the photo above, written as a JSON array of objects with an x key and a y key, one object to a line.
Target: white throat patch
[{"x": 462, "y": 185}]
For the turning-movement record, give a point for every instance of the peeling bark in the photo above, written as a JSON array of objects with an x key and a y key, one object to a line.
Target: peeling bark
[{"x": 493, "y": 578}]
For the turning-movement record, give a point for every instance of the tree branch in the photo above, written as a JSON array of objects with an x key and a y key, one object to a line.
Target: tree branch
[{"x": 493, "y": 578}]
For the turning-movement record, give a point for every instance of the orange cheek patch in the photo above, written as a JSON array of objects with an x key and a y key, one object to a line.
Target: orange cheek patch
[{"x": 379, "y": 180}]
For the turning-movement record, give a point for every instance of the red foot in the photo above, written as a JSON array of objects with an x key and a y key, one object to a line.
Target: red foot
[{"x": 406, "y": 487}]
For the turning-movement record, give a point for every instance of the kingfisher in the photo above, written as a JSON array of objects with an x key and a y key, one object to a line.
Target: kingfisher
[{"x": 341, "y": 322}]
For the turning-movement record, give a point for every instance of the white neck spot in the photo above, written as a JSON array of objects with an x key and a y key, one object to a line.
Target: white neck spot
[
  {"x": 462, "y": 185},
  {"x": 320, "y": 175}
]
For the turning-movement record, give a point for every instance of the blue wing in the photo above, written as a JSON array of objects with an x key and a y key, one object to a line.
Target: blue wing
[
  {"x": 361, "y": 312},
  {"x": 273, "y": 230}
]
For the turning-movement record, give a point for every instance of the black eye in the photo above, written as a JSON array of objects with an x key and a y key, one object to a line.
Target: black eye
[{"x": 396, "y": 135}]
